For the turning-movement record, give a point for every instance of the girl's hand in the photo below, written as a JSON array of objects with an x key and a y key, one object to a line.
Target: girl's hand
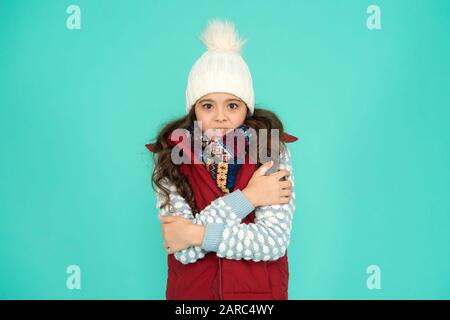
[
  {"x": 267, "y": 190},
  {"x": 180, "y": 233}
]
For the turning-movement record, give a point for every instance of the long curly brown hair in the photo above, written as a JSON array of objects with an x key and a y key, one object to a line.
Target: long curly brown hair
[{"x": 164, "y": 168}]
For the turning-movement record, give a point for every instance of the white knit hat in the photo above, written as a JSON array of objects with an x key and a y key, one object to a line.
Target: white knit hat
[{"x": 221, "y": 68}]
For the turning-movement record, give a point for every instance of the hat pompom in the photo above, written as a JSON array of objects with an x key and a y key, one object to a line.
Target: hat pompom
[{"x": 221, "y": 35}]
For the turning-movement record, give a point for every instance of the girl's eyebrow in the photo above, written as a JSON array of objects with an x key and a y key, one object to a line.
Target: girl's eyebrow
[
  {"x": 209, "y": 100},
  {"x": 233, "y": 99},
  {"x": 205, "y": 100}
]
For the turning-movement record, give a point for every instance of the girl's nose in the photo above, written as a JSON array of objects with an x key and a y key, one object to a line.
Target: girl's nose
[{"x": 220, "y": 116}]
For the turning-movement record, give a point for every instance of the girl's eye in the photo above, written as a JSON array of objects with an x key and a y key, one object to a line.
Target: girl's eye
[
  {"x": 207, "y": 106},
  {"x": 233, "y": 106}
]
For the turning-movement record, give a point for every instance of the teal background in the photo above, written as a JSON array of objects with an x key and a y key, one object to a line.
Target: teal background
[{"x": 372, "y": 109}]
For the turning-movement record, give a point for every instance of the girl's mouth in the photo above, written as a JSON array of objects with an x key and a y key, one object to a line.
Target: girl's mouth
[
  {"x": 225, "y": 131},
  {"x": 221, "y": 131},
  {"x": 217, "y": 132}
]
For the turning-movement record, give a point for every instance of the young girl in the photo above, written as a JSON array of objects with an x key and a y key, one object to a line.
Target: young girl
[{"x": 226, "y": 223}]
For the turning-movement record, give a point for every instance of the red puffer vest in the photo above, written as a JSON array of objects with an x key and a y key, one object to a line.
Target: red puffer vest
[{"x": 215, "y": 278}]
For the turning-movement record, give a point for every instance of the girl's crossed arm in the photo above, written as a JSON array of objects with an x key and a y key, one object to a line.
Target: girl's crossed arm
[
  {"x": 265, "y": 239},
  {"x": 226, "y": 210}
]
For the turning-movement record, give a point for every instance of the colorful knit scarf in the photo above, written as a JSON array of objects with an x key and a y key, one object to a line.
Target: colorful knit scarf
[{"x": 218, "y": 157}]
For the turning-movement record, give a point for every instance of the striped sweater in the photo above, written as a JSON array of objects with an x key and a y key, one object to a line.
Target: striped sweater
[{"x": 264, "y": 240}]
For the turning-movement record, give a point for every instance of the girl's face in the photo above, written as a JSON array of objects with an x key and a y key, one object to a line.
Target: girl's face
[{"x": 220, "y": 113}]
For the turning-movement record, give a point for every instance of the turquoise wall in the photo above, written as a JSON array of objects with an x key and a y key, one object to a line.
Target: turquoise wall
[{"x": 372, "y": 109}]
